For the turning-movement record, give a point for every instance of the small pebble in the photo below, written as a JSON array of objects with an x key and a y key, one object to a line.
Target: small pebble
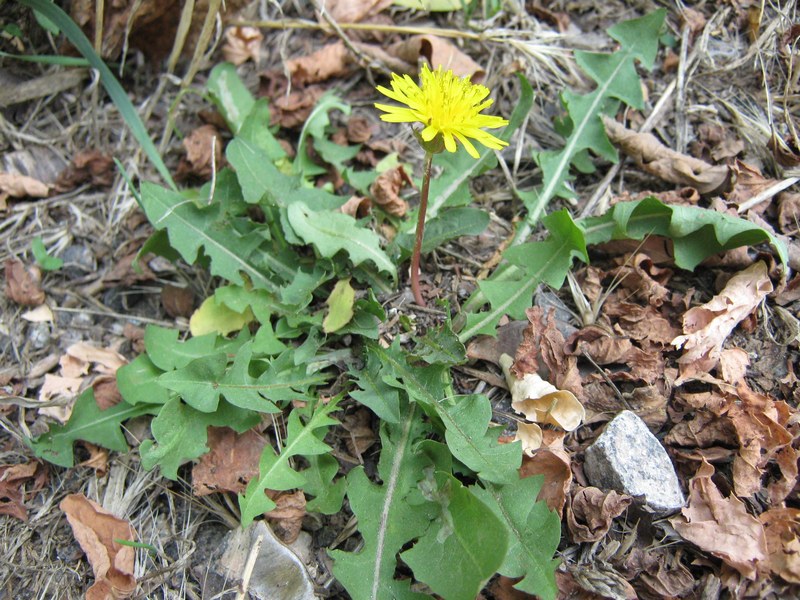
[{"x": 628, "y": 458}]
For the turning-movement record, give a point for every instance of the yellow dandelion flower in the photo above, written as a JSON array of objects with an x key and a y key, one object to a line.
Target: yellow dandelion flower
[{"x": 446, "y": 105}]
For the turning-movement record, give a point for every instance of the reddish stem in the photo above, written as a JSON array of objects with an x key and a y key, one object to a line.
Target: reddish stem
[{"x": 423, "y": 208}]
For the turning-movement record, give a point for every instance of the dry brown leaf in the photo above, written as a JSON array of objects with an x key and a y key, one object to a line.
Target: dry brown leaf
[
  {"x": 21, "y": 186},
  {"x": 355, "y": 11},
  {"x": 23, "y": 285},
  {"x": 287, "y": 516},
  {"x": 439, "y": 52},
  {"x": 90, "y": 166},
  {"x": 385, "y": 191},
  {"x": 177, "y": 301},
  {"x": 106, "y": 392},
  {"x": 657, "y": 159},
  {"x": 668, "y": 577},
  {"x": 360, "y": 435},
  {"x": 360, "y": 129},
  {"x": 242, "y": 43},
  {"x": 356, "y": 206},
  {"x": 329, "y": 61},
  {"x": 733, "y": 363},
  {"x": 12, "y": 482},
  {"x": 707, "y": 327},
  {"x": 231, "y": 462},
  {"x": 721, "y": 526},
  {"x": 591, "y": 511},
  {"x": 491, "y": 348},
  {"x": 96, "y": 530},
  {"x": 640, "y": 322},
  {"x": 760, "y": 435},
  {"x": 543, "y": 350},
  {"x": 103, "y": 360},
  {"x": 293, "y": 109},
  {"x": 129, "y": 270},
  {"x": 554, "y": 464},
  {"x": 203, "y": 153},
  {"x": 98, "y": 459},
  {"x": 782, "y": 528}
]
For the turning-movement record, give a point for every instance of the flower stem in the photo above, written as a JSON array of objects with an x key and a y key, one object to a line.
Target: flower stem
[{"x": 423, "y": 208}]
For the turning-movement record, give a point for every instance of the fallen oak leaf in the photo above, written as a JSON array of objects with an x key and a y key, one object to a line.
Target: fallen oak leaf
[
  {"x": 385, "y": 191},
  {"x": 707, "y": 327},
  {"x": 231, "y": 462},
  {"x": 782, "y": 529},
  {"x": 242, "y": 43},
  {"x": 23, "y": 285},
  {"x": 99, "y": 533},
  {"x": 591, "y": 511},
  {"x": 721, "y": 526},
  {"x": 21, "y": 186},
  {"x": 657, "y": 159},
  {"x": 329, "y": 61}
]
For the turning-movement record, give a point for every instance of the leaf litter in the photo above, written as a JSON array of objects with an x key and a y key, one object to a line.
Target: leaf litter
[{"x": 746, "y": 432}]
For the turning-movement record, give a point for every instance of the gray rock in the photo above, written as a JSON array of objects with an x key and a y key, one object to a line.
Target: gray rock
[{"x": 628, "y": 458}]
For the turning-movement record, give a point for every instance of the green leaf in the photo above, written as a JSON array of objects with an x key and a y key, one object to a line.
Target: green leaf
[
  {"x": 181, "y": 433},
  {"x": 449, "y": 225},
  {"x": 315, "y": 126},
  {"x": 547, "y": 261},
  {"x": 275, "y": 472},
  {"x": 330, "y": 232},
  {"x": 191, "y": 228},
  {"x": 138, "y": 382},
  {"x": 340, "y": 306},
  {"x": 88, "y": 423},
  {"x": 441, "y": 346},
  {"x": 472, "y": 441},
  {"x": 214, "y": 317},
  {"x": 377, "y": 395},
  {"x": 615, "y": 75},
  {"x": 47, "y": 262},
  {"x": 53, "y": 13},
  {"x": 255, "y": 130},
  {"x": 385, "y": 519},
  {"x": 233, "y": 100},
  {"x": 534, "y": 532},
  {"x": 696, "y": 233},
  {"x": 328, "y": 496},
  {"x": 464, "y": 548},
  {"x": 197, "y": 382},
  {"x": 167, "y": 353}
]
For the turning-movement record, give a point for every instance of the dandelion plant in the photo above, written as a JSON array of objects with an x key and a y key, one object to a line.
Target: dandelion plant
[{"x": 450, "y": 108}]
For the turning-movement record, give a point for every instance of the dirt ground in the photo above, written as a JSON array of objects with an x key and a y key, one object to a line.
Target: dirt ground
[{"x": 725, "y": 81}]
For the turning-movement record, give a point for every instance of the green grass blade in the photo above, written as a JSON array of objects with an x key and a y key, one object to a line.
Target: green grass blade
[
  {"x": 113, "y": 87},
  {"x": 49, "y": 59}
]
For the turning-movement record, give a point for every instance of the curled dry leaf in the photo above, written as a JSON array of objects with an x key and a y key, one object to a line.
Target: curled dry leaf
[
  {"x": 355, "y": 11},
  {"x": 90, "y": 166},
  {"x": 329, "y": 61},
  {"x": 554, "y": 464},
  {"x": 96, "y": 530},
  {"x": 203, "y": 153},
  {"x": 530, "y": 434},
  {"x": 782, "y": 528},
  {"x": 385, "y": 190},
  {"x": 287, "y": 516},
  {"x": 438, "y": 52},
  {"x": 540, "y": 401},
  {"x": 231, "y": 462},
  {"x": 12, "y": 481},
  {"x": 721, "y": 526},
  {"x": 23, "y": 285},
  {"x": 591, "y": 511},
  {"x": 356, "y": 206},
  {"x": 20, "y": 186},
  {"x": 663, "y": 162},
  {"x": 707, "y": 327},
  {"x": 242, "y": 43},
  {"x": 542, "y": 350}
]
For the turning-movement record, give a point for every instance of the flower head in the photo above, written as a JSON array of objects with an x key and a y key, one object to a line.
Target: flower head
[{"x": 447, "y": 106}]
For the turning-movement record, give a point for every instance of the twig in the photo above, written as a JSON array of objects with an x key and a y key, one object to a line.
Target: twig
[{"x": 768, "y": 193}]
